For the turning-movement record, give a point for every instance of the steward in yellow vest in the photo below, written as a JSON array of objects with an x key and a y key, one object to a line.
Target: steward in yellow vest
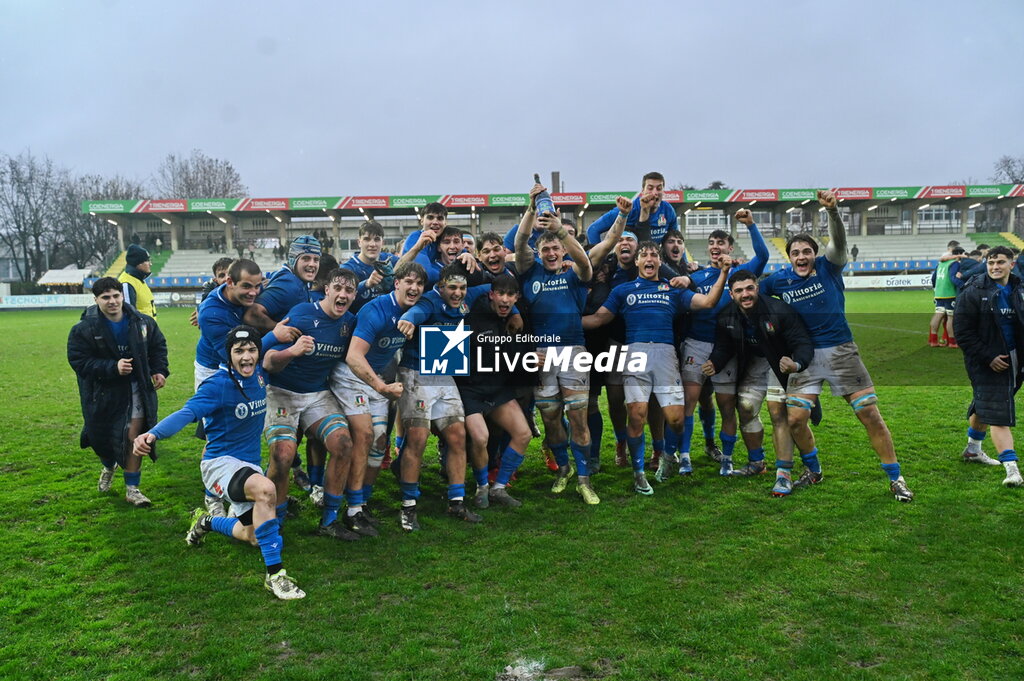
[{"x": 136, "y": 292}]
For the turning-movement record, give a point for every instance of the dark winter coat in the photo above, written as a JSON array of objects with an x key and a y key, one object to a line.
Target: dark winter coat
[
  {"x": 779, "y": 330},
  {"x": 105, "y": 395},
  {"x": 977, "y": 332}
]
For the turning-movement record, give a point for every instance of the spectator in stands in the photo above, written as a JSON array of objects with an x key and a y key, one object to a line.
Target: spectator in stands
[
  {"x": 240, "y": 247},
  {"x": 136, "y": 292},
  {"x": 854, "y": 252},
  {"x": 159, "y": 243},
  {"x": 252, "y": 250}
]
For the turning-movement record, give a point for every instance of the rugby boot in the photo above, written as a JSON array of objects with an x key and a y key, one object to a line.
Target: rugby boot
[
  {"x": 283, "y": 586},
  {"x": 899, "y": 489}
]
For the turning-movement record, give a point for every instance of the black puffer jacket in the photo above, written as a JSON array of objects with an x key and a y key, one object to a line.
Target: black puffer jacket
[
  {"x": 977, "y": 331},
  {"x": 779, "y": 330},
  {"x": 106, "y": 396}
]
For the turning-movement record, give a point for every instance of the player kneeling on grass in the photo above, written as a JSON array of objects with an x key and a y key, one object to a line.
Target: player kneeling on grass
[
  {"x": 989, "y": 325},
  {"x": 120, "y": 358},
  {"x": 770, "y": 342},
  {"x": 649, "y": 306},
  {"x": 232, "y": 404}
]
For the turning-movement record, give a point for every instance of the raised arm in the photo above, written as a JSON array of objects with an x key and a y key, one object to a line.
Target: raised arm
[
  {"x": 601, "y": 250},
  {"x": 524, "y": 254},
  {"x": 426, "y": 237},
  {"x": 276, "y": 360},
  {"x": 761, "y": 252},
  {"x": 835, "y": 249}
]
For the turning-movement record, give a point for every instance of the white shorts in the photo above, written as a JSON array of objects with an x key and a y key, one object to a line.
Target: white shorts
[
  {"x": 354, "y": 396},
  {"x": 201, "y": 373},
  {"x": 840, "y": 366},
  {"x": 428, "y": 398},
  {"x": 137, "y": 411},
  {"x": 695, "y": 353},
  {"x": 661, "y": 376},
  {"x": 760, "y": 382},
  {"x": 554, "y": 379},
  {"x": 298, "y": 410},
  {"x": 217, "y": 474}
]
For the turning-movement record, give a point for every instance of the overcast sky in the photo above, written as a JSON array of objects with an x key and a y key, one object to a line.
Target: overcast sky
[{"x": 339, "y": 98}]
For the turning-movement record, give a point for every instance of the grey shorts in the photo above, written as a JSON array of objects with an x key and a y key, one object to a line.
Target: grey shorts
[
  {"x": 201, "y": 373},
  {"x": 694, "y": 354},
  {"x": 217, "y": 474},
  {"x": 428, "y": 398},
  {"x": 760, "y": 382},
  {"x": 553, "y": 380},
  {"x": 354, "y": 396},
  {"x": 840, "y": 366},
  {"x": 137, "y": 410},
  {"x": 661, "y": 376},
  {"x": 298, "y": 410}
]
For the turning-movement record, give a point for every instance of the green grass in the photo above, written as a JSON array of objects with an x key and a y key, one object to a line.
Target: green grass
[{"x": 711, "y": 578}]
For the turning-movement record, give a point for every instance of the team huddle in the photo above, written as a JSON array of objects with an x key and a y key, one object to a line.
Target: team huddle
[{"x": 331, "y": 355}]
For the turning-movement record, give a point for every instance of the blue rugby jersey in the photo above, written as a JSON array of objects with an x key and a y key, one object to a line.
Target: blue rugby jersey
[
  {"x": 556, "y": 301},
  {"x": 377, "y": 324},
  {"x": 661, "y": 220},
  {"x": 431, "y": 309},
  {"x": 648, "y": 308},
  {"x": 217, "y": 316},
  {"x": 119, "y": 330},
  {"x": 233, "y": 421},
  {"x": 363, "y": 272},
  {"x": 311, "y": 373},
  {"x": 284, "y": 291},
  {"x": 818, "y": 298},
  {"x": 703, "y": 322}
]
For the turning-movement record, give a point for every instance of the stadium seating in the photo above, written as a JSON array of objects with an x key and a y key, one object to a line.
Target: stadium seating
[{"x": 192, "y": 263}]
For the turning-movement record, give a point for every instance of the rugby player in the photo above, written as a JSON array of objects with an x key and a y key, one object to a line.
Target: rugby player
[
  {"x": 649, "y": 305},
  {"x": 556, "y": 294},
  {"x": 813, "y": 285},
  {"x": 220, "y": 275},
  {"x": 649, "y": 218},
  {"x": 232, "y": 404},
  {"x": 373, "y": 267},
  {"x": 299, "y": 398}
]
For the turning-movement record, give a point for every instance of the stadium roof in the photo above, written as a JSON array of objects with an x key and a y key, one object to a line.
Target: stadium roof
[{"x": 320, "y": 205}]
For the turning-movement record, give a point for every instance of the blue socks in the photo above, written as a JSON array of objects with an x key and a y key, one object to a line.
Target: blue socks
[
  {"x": 561, "y": 452},
  {"x": 707, "y": 420},
  {"x": 810, "y": 460},
  {"x": 755, "y": 455},
  {"x": 1007, "y": 455},
  {"x": 684, "y": 444},
  {"x": 281, "y": 510},
  {"x": 579, "y": 454},
  {"x": 316, "y": 475},
  {"x": 480, "y": 474},
  {"x": 456, "y": 492},
  {"x": 224, "y": 526},
  {"x": 410, "y": 491},
  {"x": 658, "y": 445},
  {"x": 332, "y": 504},
  {"x": 510, "y": 461},
  {"x": 132, "y": 479},
  {"x": 672, "y": 439},
  {"x": 270, "y": 542},
  {"x": 892, "y": 470},
  {"x": 728, "y": 444},
  {"x": 367, "y": 493},
  {"x": 636, "y": 451}
]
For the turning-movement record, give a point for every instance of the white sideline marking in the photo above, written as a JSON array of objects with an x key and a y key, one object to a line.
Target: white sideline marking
[{"x": 887, "y": 328}]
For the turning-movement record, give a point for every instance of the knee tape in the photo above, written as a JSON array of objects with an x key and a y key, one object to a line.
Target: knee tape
[
  {"x": 275, "y": 434},
  {"x": 549, "y": 405},
  {"x": 776, "y": 394},
  {"x": 329, "y": 425},
  {"x": 577, "y": 401},
  {"x": 376, "y": 457},
  {"x": 380, "y": 427},
  {"x": 864, "y": 401},
  {"x": 799, "y": 403},
  {"x": 443, "y": 423}
]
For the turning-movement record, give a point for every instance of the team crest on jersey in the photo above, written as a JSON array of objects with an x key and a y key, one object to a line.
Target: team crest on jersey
[
  {"x": 689, "y": 359},
  {"x": 662, "y": 221},
  {"x": 360, "y": 401},
  {"x": 259, "y": 379},
  {"x": 241, "y": 410},
  {"x": 282, "y": 411},
  {"x": 145, "y": 331},
  {"x": 663, "y": 287},
  {"x": 421, "y": 405},
  {"x": 769, "y": 327}
]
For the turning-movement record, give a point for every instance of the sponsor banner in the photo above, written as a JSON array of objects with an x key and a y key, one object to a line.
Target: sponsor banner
[
  {"x": 162, "y": 206},
  {"x": 692, "y": 195},
  {"x": 992, "y": 190},
  {"x": 889, "y": 282},
  {"x": 464, "y": 200},
  {"x": 894, "y": 192},
  {"x": 110, "y": 206},
  {"x": 263, "y": 204},
  {"x": 365, "y": 202},
  {"x": 197, "y": 205},
  {"x": 515, "y": 200},
  {"x": 569, "y": 199},
  {"x": 410, "y": 201},
  {"x": 1018, "y": 190},
  {"x": 597, "y": 198},
  {"x": 55, "y": 300},
  {"x": 863, "y": 193},
  {"x": 936, "y": 192},
  {"x": 672, "y": 196},
  {"x": 754, "y": 195},
  {"x": 798, "y": 194},
  {"x": 314, "y": 203}
]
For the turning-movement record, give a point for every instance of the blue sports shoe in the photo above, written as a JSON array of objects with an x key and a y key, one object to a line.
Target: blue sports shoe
[
  {"x": 685, "y": 467},
  {"x": 783, "y": 484}
]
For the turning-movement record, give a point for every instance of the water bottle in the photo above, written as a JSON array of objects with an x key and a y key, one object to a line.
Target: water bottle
[{"x": 544, "y": 202}]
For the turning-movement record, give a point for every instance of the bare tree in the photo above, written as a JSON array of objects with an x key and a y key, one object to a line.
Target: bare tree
[
  {"x": 682, "y": 187},
  {"x": 81, "y": 238},
  {"x": 1009, "y": 170},
  {"x": 27, "y": 189},
  {"x": 717, "y": 184},
  {"x": 197, "y": 177}
]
